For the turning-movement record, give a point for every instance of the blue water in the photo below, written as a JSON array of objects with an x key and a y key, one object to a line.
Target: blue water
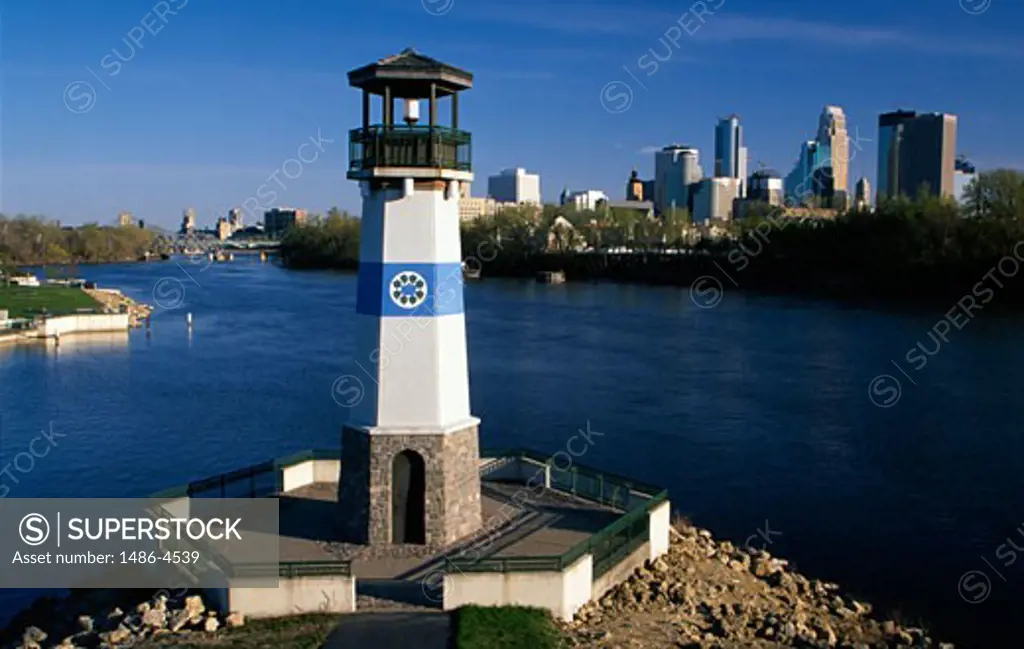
[{"x": 754, "y": 412}]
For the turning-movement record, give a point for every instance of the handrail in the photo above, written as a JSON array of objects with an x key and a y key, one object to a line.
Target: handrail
[
  {"x": 293, "y": 569},
  {"x": 592, "y": 544},
  {"x": 188, "y": 489},
  {"x": 398, "y": 145},
  {"x": 635, "y": 485},
  {"x": 417, "y": 129},
  {"x": 652, "y": 497}
]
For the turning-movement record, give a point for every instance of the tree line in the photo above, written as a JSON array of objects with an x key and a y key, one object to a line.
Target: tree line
[
  {"x": 328, "y": 242},
  {"x": 36, "y": 241}
]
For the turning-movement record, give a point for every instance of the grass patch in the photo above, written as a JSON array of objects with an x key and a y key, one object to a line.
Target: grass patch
[
  {"x": 505, "y": 627},
  {"x": 28, "y": 301},
  {"x": 295, "y": 632}
]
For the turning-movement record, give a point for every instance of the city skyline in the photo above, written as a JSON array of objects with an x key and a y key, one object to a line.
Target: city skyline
[{"x": 189, "y": 120}]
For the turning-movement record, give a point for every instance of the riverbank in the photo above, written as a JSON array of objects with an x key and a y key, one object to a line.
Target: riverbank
[
  {"x": 55, "y": 311},
  {"x": 707, "y": 277},
  {"x": 708, "y": 594},
  {"x": 921, "y": 250},
  {"x": 115, "y": 301},
  {"x": 703, "y": 594}
]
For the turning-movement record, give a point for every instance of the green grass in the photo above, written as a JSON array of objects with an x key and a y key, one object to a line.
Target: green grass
[
  {"x": 476, "y": 627},
  {"x": 506, "y": 627},
  {"x": 27, "y": 301}
]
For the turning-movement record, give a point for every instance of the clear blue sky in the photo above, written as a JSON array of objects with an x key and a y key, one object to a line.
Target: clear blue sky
[{"x": 208, "y": 107}]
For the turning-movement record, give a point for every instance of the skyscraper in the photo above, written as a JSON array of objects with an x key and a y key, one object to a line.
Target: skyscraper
[
  {"x": 930, "y": 158},
  {"x": 811, "y": 175},
  {"x": 676, "y": 168},
  {"x": 862, "y": 195},
  {"x": 730, "y": 154},
  {"x": 890, "y": 136},
  {"x": 832, "y": 133},
  {"x": 915, "y": 151}
]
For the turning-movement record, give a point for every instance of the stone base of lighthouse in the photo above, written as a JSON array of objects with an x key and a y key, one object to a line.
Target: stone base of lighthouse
[{"x": 411, "y": 487}]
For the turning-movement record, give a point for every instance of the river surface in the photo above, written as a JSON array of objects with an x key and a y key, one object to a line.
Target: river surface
[{"x": 755, "y": 413}]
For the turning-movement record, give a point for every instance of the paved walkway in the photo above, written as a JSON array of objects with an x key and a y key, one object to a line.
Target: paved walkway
[{"x": 400, "y": 630}]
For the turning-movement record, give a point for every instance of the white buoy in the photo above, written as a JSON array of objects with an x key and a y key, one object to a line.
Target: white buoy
[{"x": 188, "y": 320}]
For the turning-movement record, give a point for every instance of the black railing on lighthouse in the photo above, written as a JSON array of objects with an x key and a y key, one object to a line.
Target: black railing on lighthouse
[{"x": 438, "y": 147}]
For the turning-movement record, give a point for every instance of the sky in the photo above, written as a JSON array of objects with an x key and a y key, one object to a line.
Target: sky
[{"x": 152, "y": 107}]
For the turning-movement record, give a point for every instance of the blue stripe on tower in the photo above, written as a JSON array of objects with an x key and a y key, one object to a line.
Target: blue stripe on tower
[{"x": 397, "y": 289}]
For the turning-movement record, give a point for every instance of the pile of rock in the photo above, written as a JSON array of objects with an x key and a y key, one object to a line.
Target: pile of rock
[
  {"x": 151, "y": 619},
  {"x": 708, "y": 594},
  {"x": 117, "y": 302}
]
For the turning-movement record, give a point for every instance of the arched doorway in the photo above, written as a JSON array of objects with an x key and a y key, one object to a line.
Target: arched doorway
[{"x": 408, "y": 499}]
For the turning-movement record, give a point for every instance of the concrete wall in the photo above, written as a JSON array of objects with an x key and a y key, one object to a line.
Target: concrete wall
[
  {"x": 310, "y": 472},
  {"x": 81, "y": 323},
  {"x": 577, "y": 585},
  {"x": 327, "y": 594},
  {"x": 297, "y": 475},
  {"x": 326, "y": 470},
  {"x": 620, "y": 572},
  {"x": 179, "y": 507},
  {"x": 562, "y": 593},
  {"x": 658, "y": 524}
]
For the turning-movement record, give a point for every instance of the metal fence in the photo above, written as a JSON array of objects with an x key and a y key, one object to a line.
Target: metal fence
[
  {"x": 409, "y": 146},
  {"x": 608, "y": 546},
  {"x": 257, "y": 481}
]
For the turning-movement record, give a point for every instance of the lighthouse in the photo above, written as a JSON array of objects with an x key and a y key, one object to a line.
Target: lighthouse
[{"x": 410, "y": 449}]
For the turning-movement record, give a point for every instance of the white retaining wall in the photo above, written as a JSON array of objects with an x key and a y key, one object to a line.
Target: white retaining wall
[
  {"x": 659, "y": 524},
  {"x": 562, "y": 593},
  {"x": 310, "y": 472},
  {"x": 84, "y": 323},
  {"x": 320, "y": 594}
]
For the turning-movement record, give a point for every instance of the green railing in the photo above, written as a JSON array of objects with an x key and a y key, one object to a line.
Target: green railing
[
  {"x": 599, "y": 486},
  {"x": 547, "y": 563},
  {"x": 258, "y": 481},
  {"x": 620, "y": 539},
  {"x": 608, "y": 546},
  {"x": 409, "y": 146},
  {"x": 293, "y": 569}
]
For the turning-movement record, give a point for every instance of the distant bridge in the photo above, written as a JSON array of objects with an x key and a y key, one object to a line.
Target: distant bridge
[{"x": 254, "y": 246}]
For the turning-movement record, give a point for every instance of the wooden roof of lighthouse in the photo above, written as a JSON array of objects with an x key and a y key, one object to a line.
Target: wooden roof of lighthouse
[{"x": 409, "y": 74}]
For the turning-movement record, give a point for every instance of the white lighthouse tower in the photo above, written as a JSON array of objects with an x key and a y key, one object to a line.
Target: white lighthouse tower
[{"x": 410, "y": 451}]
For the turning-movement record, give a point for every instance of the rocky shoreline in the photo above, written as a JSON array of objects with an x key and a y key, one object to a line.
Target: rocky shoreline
[
  {"x": 66, "y": 627},
  {"x": 706, "y": 594},
  {"x": 118, "y": 302},
  {"x": 703, "y": 594}
]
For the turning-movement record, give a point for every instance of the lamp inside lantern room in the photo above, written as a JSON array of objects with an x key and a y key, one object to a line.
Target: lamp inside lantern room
[{"x": 412, "y": 111}]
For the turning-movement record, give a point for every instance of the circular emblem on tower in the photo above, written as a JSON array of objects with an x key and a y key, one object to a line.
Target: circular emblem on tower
[{"x": 408, "y": 289}]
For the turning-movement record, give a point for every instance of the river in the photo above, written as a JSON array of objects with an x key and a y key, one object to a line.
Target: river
[{"x": 756, "y": 414}]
